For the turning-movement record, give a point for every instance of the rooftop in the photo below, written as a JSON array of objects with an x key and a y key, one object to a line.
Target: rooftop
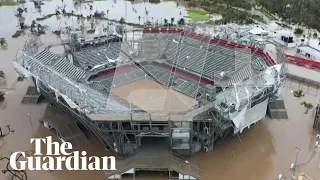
[{"x": 310, "y": 50}]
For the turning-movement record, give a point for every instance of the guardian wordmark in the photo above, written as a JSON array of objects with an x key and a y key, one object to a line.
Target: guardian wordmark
[{"x": 57, "y": 158}]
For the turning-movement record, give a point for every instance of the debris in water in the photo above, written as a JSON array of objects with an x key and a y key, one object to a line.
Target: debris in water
[{"x": 303, "y": 176}]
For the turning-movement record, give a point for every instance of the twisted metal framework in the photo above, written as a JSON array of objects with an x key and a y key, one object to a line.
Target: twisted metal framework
[
  {"x": 239, "y": 34},
  {"x": 75, "y": 95}
]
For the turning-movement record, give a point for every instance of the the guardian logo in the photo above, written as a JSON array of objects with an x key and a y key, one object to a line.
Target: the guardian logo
[{"x": 60, "y": 159}]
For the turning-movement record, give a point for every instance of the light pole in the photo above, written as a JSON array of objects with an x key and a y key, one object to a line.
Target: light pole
[
  {"x": 294, "y": 166},
  {"x": 317, "y": 144},
  {"x": 30, "y": 122}
]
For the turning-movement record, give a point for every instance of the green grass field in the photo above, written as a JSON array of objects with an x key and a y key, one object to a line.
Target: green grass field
[
  {"x": 198, "y": 15},
  {"x": 9, "y": 3}
]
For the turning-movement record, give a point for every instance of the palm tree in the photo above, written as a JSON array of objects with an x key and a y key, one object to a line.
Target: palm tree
[
  {"x": 20, "y": 11},
  {"x": 156, "y": 23},
  {"x": 39, "y": 27},
  {"x": 307, "y": 106},
  {"x": 172, "y": 20},
  {"x": 2, "y": 98},
  {"x": 108, "y": 13},
  {"x": 2, "y": 75},
  {"x": 181, "y": 22},
  {"x": 298, "y": 93},
  {"x": 19, "y": 79},
  {"x": 148, "y": 23},
  {"x": 147, "y": 13},
  {"x": 122, "y": 20},
  {"x": 33, "y": 25},
  {"x": 3, "y": 41},
  {"x": 139, "y": 17},
  {"x": 165, "y": 22},
  {"x": 21, "y": 24}
]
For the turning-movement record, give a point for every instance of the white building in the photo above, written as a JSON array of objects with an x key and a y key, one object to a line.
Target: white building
[
  {"x": 285, "y": 38},
  {"x": 309, "y": 52}
]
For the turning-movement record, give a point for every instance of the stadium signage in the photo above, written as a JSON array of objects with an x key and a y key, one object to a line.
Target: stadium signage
[{"x": 60, "y": 159}]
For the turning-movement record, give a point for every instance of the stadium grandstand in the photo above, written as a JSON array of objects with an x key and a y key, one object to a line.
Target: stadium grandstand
[{"x": 177, "y": 90}]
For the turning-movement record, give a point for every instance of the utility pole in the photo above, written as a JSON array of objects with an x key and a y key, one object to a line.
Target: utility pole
[
  {"x": 30, "y": 122},
  {"x": 294, "y": 166}
]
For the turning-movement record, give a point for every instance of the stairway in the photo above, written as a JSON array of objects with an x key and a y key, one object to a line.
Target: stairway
[
  {"x": 32, "y": 96},
  {"x": 66, "y": 127}
]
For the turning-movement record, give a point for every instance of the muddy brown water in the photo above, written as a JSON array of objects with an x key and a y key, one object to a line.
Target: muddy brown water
[{"x": 267, "y": 148}]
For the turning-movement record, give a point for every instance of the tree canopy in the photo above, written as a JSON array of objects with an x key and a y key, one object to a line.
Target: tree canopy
[{"x": 299, "y": 12}]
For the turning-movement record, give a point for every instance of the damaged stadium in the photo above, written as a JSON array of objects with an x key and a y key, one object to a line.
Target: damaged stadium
[{"x": 171, "y": 91}]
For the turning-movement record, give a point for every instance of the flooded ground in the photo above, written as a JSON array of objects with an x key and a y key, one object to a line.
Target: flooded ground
[
  {"x": 114, "y": 9},
  {"x": 267, "y": 148}
]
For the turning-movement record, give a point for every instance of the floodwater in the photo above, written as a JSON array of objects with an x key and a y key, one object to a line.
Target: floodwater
[
  {"x": 265, "y": 150},
  {"x": 114, "y": 9}
]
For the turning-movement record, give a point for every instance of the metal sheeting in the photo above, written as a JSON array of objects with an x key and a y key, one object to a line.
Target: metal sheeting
[
  {"x": 69, "y": 70},
  {"x": 98, "y": 86},
  {"x": 46, "y": 57},
  {"x": 97, "y": 55},
  {"x": 210, "y": 59},
  {"x": 240, "y": 75},
  {"x": 217, "y": 63},
  {"x": 60, "y": 77}
]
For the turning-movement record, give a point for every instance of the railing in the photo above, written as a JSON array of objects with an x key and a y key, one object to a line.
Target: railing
[
  {"x": 300, "y": 61},
  {"x": 87, "y": 98}
]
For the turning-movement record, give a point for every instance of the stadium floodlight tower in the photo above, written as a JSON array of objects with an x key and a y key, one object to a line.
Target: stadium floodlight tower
[{"x": 176, "y": 93}]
